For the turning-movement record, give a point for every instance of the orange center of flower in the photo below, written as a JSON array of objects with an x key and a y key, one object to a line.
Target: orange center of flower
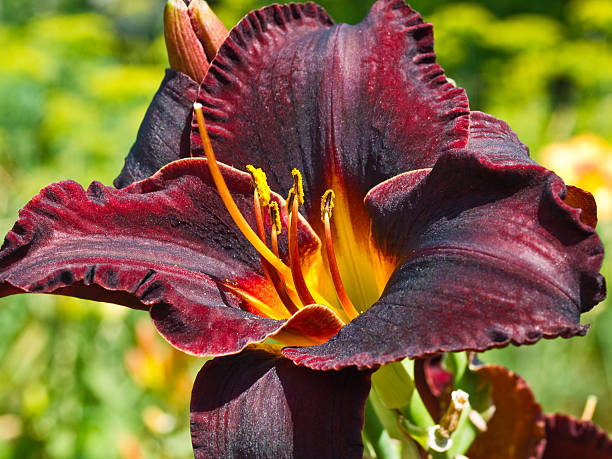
[{"x": 288, "y": 281}]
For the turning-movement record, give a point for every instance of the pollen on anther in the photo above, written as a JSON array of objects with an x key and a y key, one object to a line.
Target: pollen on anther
[
  {"x": 290, "y": 197},
  {"x": 298, "y": 186},
  {"x": 260, "y": 183},
  {"x": 275, "y": 216},
  {"x": 327, "y": 203}
]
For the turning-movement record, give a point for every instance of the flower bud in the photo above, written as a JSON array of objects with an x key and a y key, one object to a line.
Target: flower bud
[
  {"x": 208, "y": 27},
  {"x": 185, "y": 52}
]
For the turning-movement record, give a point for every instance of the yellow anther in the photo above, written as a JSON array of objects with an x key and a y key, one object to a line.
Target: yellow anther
[
  {"x": 260, "y": 183},
  {"x": 297, "y": 186},
  {"x": 275, "y": 217},
  {"x": 327, "y": 203},
  {"x": 290, "y": 197}
]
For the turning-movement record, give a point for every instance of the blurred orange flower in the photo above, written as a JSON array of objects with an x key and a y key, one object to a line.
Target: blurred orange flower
[
  {"x": 154, "y": 365},
  {"x": 586, "y": 162}
]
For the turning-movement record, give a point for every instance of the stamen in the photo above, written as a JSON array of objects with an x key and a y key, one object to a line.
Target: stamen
[
  {"x": 260, "y": 183},
  {"x": 275, "y": 219},
  {"x": 231, "y": 206},
  {"x": 327, "y": 204},
  {"x": 271, "y": 275},
  {"x": 261, "y": 231},
  {"x": 277, "y": 227},
  {"x": 298, "y": 187},
  {"x": 293, "y": 201}
]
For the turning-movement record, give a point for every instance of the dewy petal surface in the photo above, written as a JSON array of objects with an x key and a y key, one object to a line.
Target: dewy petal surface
[
  {"x": 569, "y": 438},
  {"x": 259, "y": 405},
  {"x": 489, "y": 255},
  {"x": 166, "y": 243},
  {"x": 346, "y": 105},
  {"x": 164, "y": 133}
]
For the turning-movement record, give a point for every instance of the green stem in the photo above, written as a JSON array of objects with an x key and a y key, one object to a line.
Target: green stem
[
  {"x": 377, "y": 435},
  {"x": 388, "y": 419}
]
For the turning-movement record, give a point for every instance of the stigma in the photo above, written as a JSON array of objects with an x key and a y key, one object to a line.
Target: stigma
[{"x": 288, "y": 280}]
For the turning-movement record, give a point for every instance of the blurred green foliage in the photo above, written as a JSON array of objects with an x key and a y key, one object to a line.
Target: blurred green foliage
[{"x": 79, "y": 379}]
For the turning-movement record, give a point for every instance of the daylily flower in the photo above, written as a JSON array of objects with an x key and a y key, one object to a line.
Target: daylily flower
[{"x": 436, "y": 231}]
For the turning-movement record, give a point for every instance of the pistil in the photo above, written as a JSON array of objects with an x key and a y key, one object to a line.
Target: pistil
[
  {"x": 327, "y": 204},
  {"x": 231, "y": 206}
]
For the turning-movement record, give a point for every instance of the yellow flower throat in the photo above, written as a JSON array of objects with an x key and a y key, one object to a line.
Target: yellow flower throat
[{"x": 288, "y": 281}]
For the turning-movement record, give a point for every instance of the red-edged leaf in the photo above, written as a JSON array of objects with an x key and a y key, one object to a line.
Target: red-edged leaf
[
  {"x": 490, "y": 255},
  {"x": 570, "y": 438},
  {"x": 165, "y": 243},
  {"x": 164, "y": 133},
  {"x": 258, "y": 405},
  {"x": 516, "y": 430},
  {"x": 363, "y": 104}
]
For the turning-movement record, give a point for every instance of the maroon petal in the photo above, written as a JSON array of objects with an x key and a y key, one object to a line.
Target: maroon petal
[
  {"x": 490, "y": 255},
  {"x": 164, "y": 133},
  {"x": 495, "y": 141},
  {"x": 165, "y": 243},
  {"x": 516, "y": 430},
  {"x": 570, "y": 438},
  {"x": 349, "y": 106},
  {"x": 257, "y": 405}
]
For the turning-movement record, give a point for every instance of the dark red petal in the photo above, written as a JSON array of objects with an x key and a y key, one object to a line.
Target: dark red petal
[
  {"x": 516, "y": 430},
  {"x": 349, "y": 106},
  {"x": 165, "y": 243},
  {"x": 164, "y": 133},
  {"x": 493, "y": 140},
  {"x": 570, "y": 438},
  {"x": 258, "y": 405},
  {"x": 490, "y": 255}
]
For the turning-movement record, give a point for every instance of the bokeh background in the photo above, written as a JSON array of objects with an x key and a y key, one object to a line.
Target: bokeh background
[{"x": 81, "y": 379}]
